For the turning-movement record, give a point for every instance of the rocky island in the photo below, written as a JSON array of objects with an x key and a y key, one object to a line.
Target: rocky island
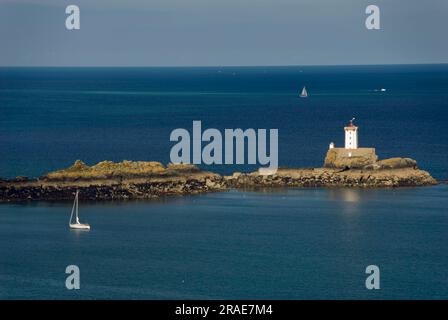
[
  {"x": 350, "y": 166},
  {"x": 108, "y": 180},
  {"x": 146, "y": 180}
]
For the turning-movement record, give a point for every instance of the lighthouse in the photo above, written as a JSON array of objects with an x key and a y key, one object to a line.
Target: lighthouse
[
  {"x": 351, "y": 156},
  {"x": 351, "y": 136}
]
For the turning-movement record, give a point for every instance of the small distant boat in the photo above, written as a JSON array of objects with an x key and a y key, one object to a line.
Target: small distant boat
[
  {"x": 304, "y": 93},
  {"x": 383, "y": 90},
  {"x": 77, "y": 224}
]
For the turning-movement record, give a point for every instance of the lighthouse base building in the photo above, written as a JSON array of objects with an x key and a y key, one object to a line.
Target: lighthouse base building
[{"x": 351, "y": 156}]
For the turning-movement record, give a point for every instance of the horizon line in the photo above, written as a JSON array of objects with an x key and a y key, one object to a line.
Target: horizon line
[{"x": 229, "y": 66}]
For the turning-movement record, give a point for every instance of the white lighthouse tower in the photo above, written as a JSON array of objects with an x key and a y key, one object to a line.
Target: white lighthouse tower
[
  {"x": 351, "y": 156},
  {"x": 351, "y": 136}
]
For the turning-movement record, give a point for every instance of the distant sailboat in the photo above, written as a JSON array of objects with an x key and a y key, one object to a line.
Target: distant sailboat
[
  {"x": 304, "y": 93},
  {"x": 77, "y": 224}
]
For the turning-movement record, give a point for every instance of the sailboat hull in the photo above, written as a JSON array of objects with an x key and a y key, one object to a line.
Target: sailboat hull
[{"x": 80, "y": 226}]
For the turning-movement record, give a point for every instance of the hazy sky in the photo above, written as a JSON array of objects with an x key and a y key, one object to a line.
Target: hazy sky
[{"x": 222, "y": 32}]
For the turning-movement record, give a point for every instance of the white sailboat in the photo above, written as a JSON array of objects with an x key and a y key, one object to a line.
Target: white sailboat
[
  {"x": 77, "y": 224},
  {"x": 304, "y": 93}
]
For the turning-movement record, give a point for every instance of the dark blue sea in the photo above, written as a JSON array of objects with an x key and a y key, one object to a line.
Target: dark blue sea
[{"x": 284, "y": 244}]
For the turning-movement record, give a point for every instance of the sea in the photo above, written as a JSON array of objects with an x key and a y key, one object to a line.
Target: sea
[{"x": 298, "y": 243}]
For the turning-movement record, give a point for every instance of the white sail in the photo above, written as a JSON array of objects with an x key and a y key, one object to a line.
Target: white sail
[{"x": 304, "y": 93}]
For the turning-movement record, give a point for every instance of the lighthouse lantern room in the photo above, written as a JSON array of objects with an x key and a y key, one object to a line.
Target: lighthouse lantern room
[{"x": 351, "y": 136}]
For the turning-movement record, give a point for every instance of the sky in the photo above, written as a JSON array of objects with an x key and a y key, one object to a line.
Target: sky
[{"x": 222, "y": 33}]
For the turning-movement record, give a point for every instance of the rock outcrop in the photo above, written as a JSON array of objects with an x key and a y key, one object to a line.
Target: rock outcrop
[
  {"x": 106, "y": 169},
  {"x": 350, "y": 158},
  {"x": 325, "y": 177},
  {"x": 393, "y": 163},
  {"x": 364, "y": 158}
]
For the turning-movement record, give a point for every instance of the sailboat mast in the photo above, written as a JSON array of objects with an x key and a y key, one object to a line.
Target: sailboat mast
[
  {"x": 77, "y": 205},
  {"x": 74, "y": 208}
]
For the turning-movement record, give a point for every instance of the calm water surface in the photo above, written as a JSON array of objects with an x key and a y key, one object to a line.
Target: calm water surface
[{"x": 288, "y": 244}]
